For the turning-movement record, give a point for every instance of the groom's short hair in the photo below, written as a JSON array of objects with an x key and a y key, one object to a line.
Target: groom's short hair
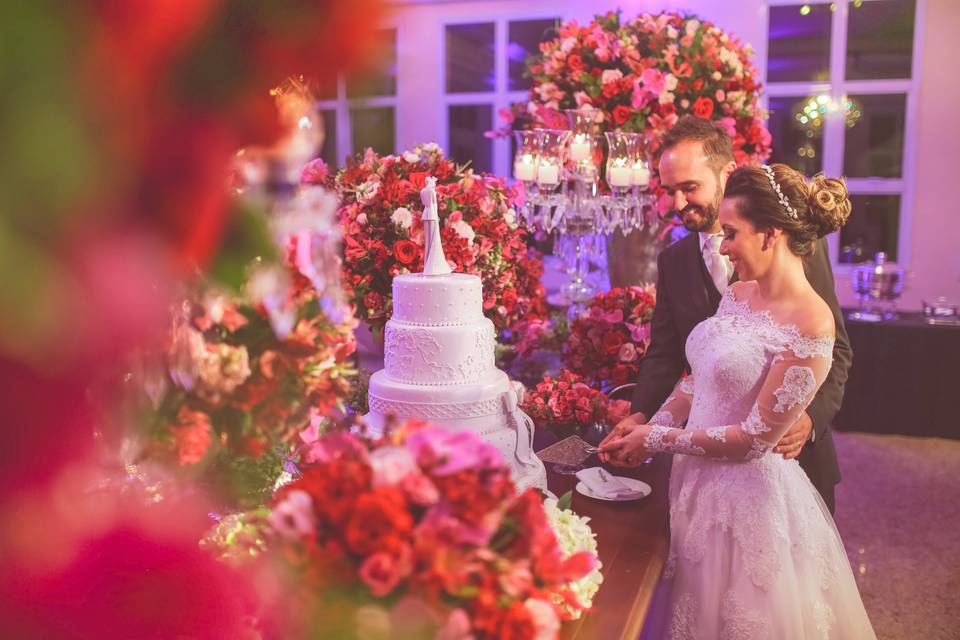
[{"x": 717, "y": 145}]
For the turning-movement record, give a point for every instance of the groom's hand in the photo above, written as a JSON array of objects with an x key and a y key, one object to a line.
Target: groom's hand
[
  {"x": 791, "y": 444},
  {"x": 621, "y": 429}
]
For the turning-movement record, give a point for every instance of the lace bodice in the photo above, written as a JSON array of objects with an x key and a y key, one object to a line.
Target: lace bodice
[{"x": 751, "y": 379}]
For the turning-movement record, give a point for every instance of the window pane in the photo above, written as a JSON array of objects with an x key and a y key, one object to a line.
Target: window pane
[
  {"x": 524, "y": 41},
  {"x": 372, "y": 127},
  {"x": 874, "y": 138},
  {"x": 329, "y": 151},
  {"x": 799, "y": 43},
  {"x": 467, "y": 142},
  {"x": 796, "y": 125},
  {"x": 873, "y": 226},
  {"x": 470, "y": 58},
  {"x": 380, "y": 80},
  {"x": 880, "y": 39}
]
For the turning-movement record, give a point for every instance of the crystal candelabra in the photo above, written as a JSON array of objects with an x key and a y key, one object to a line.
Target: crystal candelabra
[{"x": 560, "y": 170}]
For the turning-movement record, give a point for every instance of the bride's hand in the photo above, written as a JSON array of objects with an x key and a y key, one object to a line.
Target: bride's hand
[{"x": 629, "y": 449}]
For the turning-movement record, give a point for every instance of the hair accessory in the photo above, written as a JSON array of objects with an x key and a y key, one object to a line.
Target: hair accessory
[{"x": 776, "y": 189}]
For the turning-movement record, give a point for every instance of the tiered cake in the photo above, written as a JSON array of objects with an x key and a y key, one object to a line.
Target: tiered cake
[{"x": 439, "y": 366}]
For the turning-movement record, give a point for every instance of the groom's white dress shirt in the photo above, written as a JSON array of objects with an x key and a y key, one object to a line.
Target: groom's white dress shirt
[{"x": 718, "y": 266}]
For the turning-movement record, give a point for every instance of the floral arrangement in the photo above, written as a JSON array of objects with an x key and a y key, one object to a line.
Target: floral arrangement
[
  {"x": 567, "y": 400},
  {"x": 427, "y": 515},
  {"x": 243, "y": 376},
  {"x": 383, "y": 234},
  {"x": 608, "y": 339},
  {"x": 574, "y": 536},
  {"x": 641, "y": 75}
]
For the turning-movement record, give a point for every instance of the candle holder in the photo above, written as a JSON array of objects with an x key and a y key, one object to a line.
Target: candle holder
[{"x": 579, "y": 210}]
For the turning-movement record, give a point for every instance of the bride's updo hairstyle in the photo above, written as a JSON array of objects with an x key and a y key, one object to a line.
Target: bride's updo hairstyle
[{"x": 779, "y": 196}]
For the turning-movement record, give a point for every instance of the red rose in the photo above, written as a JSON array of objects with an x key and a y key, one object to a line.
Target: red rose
[
  {"x": 621, "y": 114},
  {"x": 667, "y": 108},
  {"x": 509, "y": 298},
  {"x": 612, "y": 342},
  {"x": 379, "y": 522},
  {"x": 517, "y": 623},
  {"x": 405, "y": 251},
  {"x": 698, "y": 84},
  {"x": 575, "y": 62},
  {"x": 703, "y": 107}
]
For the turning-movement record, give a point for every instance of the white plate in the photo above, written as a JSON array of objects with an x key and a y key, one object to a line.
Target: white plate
[{"x": 640, "y": 490}]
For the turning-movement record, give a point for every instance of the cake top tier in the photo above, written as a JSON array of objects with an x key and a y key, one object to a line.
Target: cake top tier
[{"x": 437, "y": 300}]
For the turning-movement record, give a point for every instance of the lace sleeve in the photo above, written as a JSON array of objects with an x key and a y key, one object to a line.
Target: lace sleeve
[
  {"x": 676, "y": 408},
  {"x": 793, "y": 380}
]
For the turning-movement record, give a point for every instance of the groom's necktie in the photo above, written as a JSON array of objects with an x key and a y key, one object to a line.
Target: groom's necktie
[{"x": 717, "y": 265}]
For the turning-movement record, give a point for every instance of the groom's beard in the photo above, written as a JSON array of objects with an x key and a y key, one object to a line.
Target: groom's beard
[{"x": 699, "y": 218}]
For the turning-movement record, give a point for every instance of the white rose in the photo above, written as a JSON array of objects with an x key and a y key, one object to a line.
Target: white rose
[
  {"x": 670, "y": 82},
  {"x": 411, "y": 156},
  {"x": 672, "y": 33},
  {"x": 610, "y": 75},
  {"x": 510, "y": 217},
  {"x": 692, "y": 27},
  {"x": 666, "y": 97},
  {"x": 362, "y": 219},
  {"x": 716, "y": 75},
  {"x": 403, "y": 217},
  {"x": 463, "y": 230}
]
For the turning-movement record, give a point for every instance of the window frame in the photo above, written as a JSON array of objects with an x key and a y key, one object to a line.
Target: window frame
[
  {"x": 341, "y": 105},
  {"x": 838, "y": 88},
  {"x": 501, "y": 97}
]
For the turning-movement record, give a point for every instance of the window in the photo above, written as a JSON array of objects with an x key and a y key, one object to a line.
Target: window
[
  {"x": 359, "y": 110},
  {"x": 484, "y": 63},
  {"x": 842, "y": 94}
]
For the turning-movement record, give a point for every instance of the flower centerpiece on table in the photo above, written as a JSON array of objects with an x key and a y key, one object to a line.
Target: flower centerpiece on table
[
  {"x": 641, "y": 75},
  {"x": 426, "y": 520},
  {"x": 383, "y": 234},
  {"x": 608, "y": 339},
  {"x": 566, "y": 400}
]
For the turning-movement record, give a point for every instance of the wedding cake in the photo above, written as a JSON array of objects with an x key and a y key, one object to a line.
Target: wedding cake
[{"x": 439, "y": 361}]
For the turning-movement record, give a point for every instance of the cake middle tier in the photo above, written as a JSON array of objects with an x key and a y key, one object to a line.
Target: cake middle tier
[{"x": 439, "y": 356}]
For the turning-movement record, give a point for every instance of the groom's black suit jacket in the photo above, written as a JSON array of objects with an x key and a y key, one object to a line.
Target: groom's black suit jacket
[{"x": 686, "y": 295}]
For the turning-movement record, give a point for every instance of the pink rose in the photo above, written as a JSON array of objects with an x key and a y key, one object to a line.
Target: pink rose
[
  {"x": 382, "y": 572},
  {"x": 457, "y": 627},
  {"x": 391, "y": 465},
  {"x": 293, "y": 518},
  {"x": 627, "y": 353},
  {"x": 546, "y": 624}
]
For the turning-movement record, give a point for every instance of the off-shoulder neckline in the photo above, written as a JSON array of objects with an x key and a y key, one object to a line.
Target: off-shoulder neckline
[{"x": 789, "y": 327}]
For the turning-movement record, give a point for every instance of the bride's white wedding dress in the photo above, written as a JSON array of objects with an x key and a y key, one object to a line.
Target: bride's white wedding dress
[{"x": 754, "y": 552}]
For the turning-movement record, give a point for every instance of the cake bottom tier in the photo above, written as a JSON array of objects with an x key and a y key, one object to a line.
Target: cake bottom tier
[{"x": 489, "y": 408}]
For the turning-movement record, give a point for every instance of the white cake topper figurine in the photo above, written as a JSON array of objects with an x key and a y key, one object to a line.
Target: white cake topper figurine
[{"x": 434, "y": 262}]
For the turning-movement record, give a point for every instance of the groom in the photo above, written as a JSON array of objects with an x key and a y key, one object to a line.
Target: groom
[{"x": 696, "y": 160}]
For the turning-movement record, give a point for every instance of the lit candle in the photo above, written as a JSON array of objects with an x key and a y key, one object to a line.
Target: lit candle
[
  {"x": 524, "y": 168},
  {"x": 548, "y": 174},
  {"x": 618, "y": 175},
  {"x": 579, "y": 148},
  {"x": 640, "y": 175}
]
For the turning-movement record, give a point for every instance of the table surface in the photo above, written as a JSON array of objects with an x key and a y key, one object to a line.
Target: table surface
[{"x": 632, "y": 542}]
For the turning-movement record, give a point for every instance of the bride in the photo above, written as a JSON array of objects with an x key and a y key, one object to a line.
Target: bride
[{"x": 754, "y": 552}]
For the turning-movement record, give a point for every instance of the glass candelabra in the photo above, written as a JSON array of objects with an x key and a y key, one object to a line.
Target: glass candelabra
[{"x": 560, "y": 170}]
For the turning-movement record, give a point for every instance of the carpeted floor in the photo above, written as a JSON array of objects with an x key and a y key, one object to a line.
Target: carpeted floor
[{"x": 898, "y": 511}]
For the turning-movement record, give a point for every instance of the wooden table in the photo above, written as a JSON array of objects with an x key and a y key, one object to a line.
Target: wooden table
[{"x": 632, "y": 540}]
